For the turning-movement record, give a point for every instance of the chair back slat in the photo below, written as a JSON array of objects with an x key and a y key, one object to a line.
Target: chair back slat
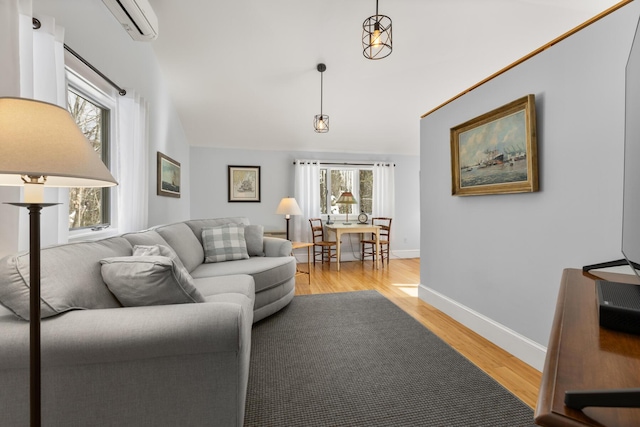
[
  {"x": 317, "y": 230},
  {"x": 385, "y": 227}
]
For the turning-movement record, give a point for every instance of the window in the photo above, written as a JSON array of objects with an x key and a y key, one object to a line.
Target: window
[
  {"x": 90, "y": 208},
  {"x": 335, "y": 180}
]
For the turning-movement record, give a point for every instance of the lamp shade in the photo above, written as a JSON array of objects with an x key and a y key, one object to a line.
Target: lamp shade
[
  {"x": 288, "y": 206},
  {"x": 38, "y": 139},
  {"x": 346, "y": 198}
]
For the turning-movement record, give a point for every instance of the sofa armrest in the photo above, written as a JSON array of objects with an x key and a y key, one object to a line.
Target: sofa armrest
[
  {"x": 131, "y": 333},
  {"x": 276, "y": 247}
]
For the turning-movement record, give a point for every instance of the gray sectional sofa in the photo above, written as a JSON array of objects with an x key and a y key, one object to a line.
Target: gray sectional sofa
[{"x": 109, "y": 363}]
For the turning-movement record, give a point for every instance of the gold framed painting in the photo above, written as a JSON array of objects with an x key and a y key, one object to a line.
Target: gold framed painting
[
  {"x": 168, "y": 180},
  {"x": 244, "y": 183},
  {"x": 496, "y": 153}
]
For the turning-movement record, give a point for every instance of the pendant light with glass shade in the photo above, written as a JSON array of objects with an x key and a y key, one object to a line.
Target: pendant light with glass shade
[
  {"x": 321, "y": 121},
  {"x": 377, "y": 41}
]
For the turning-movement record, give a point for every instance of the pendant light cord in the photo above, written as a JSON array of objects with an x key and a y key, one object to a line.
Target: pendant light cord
[{"x": 321, "y": 80}]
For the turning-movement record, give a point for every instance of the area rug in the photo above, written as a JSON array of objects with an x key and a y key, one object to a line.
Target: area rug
[{"x": 356, "y": 359}]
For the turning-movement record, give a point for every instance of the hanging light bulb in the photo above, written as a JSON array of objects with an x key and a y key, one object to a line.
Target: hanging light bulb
[
  {"x": 375, "y": 37},
  {"x": 321, "y": 121},
  {"x": 377, "y": 41}
]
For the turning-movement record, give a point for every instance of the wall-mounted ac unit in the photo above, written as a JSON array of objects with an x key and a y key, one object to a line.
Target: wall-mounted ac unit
[{"x": 137, "y": 18}]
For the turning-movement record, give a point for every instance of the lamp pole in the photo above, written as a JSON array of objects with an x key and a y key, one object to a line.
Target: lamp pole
[{"x": 34, "y": 310}]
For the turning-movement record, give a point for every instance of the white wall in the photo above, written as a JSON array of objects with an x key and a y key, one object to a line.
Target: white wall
[
  {"x": 495, "y": 262},
  {"x": 93, "y": 32},
  {"x": 209, "y": 189}
]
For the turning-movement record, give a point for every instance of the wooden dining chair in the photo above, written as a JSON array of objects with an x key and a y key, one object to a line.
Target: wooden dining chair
[
  {"x": 317, "y": 233},
  {"x": 368, "y": 246}
]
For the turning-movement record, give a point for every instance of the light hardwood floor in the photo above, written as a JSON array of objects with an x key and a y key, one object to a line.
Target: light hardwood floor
[{"x": 399, "y": 283}]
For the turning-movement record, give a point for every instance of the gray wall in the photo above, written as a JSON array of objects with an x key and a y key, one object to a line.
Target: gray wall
[
  {"x": 209, "y": 188},
  {"x": 501, "y": 257}
]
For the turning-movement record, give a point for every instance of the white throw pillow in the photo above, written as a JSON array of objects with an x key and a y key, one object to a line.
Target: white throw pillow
[{"x": 159, "y": 250}]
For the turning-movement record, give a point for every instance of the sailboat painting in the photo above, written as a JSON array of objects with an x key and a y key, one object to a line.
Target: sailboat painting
[
  {"x": 496, "y": 153},
  {"x": 168, "y": 176}
]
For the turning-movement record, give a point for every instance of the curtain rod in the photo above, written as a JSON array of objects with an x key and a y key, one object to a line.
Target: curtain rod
[
  {"x": 121, "y": 92},
  {"x": 344, "y": 163}
]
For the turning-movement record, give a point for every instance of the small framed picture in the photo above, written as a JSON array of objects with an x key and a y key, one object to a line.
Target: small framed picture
[
  {"x": 244, "y": 183},
  {"x": 496, "y": 153},
  {"x": 168, "y": 176}
]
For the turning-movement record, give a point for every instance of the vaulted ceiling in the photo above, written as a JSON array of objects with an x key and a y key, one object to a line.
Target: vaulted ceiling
[{"x": 242, "y": 73}]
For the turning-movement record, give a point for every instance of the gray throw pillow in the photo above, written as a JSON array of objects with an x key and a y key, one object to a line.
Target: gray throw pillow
[
  {"x": 148, "y": 280},
  {"x": 253, "y": 235},
  {"x": 224, "y": 243}
]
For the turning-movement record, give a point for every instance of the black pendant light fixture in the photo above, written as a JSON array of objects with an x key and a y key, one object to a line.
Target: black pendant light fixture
[
  {"x": 377, "y": 42},
  {"x": 321, "y": 121}
]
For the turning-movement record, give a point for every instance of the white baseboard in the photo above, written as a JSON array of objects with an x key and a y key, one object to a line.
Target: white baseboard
[
  {"x": 406, "y": 253},
  {"x": 520, "y": 346}
]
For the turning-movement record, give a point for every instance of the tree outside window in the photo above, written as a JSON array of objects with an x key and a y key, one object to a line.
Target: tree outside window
[
  {"x": 88, "y": 207},
  {"x": 335, "y": 181}
]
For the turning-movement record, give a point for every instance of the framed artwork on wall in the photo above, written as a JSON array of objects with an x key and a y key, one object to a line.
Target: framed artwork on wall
[
  {"x": 496, "y": 153},
  {"x": 244, "y": 184},
  {"x": 168, "y": 181}
]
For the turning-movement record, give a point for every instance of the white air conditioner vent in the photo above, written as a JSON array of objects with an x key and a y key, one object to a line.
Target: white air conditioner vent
[{"x": 136, "y": 17}]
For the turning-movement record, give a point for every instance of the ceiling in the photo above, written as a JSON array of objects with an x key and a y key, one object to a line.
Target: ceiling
[{"x": 242, "y": 73}]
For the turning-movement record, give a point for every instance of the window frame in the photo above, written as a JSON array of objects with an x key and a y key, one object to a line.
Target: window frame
[
  {"x": 355, "y": 168},
  {"x": 88, "y": 88}
]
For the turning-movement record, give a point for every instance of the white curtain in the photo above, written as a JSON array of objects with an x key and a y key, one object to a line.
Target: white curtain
[
  {"x": 31, "y": 66},
  {"x": 307, "y": 194},
  {"x": 49, "y": 82},
  {"x": 132, "y": 163},
  {"x": 49, "y": 85},
  {"x": 383, "y": 190}
]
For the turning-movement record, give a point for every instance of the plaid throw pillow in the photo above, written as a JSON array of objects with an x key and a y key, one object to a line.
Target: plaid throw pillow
[{"x": 224, "y": 243}]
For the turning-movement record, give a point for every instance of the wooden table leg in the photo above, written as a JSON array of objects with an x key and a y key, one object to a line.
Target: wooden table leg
[
  {"x": 377, "y": 248},
  {"x": 309, "y": 263},
  {"x": 338, "y": 234}
]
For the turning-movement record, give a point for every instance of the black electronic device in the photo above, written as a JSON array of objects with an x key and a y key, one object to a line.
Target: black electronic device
[
  {"x": 619, "y": 306},
  {"x": 618, "y": 302}
]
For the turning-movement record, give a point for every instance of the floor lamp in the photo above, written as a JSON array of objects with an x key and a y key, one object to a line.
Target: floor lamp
[
  {"x": 287, "y": 207},
  {"x": 40, "y": 144}
]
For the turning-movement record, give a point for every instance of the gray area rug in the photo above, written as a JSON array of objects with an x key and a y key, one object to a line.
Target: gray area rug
[{"x": 356, "y": 359}]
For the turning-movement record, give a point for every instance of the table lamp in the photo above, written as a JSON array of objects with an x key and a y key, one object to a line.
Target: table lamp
[
  {"x": 346, "y": 198},
  {"x": 287, "y": 207},
  {"x": 40, "y": 144}
]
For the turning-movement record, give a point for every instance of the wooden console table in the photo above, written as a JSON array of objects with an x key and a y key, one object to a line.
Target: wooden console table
[{"x": 583, "y": 356}]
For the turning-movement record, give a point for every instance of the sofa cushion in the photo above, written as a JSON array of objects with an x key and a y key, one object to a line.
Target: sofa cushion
[
  {"x": 182, "y": 240},
  {"x": 224, "y": 243},
  {"x": 238, "y": 283},
  {"x": 148, "y": 280},
  {"x": 266, "y": 272},
  {"x": 254, "y": 235},
  {"x": 69, "y": 278}
]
